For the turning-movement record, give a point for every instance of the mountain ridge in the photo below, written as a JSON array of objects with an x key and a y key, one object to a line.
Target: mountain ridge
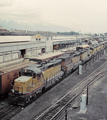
[{"x": 11, "y": 25}]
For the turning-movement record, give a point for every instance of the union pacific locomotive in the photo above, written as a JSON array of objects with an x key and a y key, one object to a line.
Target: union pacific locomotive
[{"x": 36, "y": 78}]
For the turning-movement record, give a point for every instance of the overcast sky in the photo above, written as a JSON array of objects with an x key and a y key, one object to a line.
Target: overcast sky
[{"x": 81, "y": 15}]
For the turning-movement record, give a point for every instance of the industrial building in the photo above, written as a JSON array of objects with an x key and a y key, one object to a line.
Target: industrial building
[{"x": 15, "y": 47}]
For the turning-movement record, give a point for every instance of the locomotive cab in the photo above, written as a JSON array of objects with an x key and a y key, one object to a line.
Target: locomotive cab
[{"x": 30, "y": 79}]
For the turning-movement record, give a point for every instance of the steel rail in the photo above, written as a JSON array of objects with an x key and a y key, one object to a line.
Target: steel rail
[
  {"x": 63, "y": 108},
  {"x": 40, "y": 116},
  {"x": 11, "y": 113}
]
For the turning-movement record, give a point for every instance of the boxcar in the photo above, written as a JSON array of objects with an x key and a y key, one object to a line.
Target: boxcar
[{"x": 10, "y": 73}]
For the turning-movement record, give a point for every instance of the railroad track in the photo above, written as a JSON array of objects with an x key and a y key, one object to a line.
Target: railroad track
[
  {"x": 8, "y": 112},
  {"x": 52, "y": 112}
]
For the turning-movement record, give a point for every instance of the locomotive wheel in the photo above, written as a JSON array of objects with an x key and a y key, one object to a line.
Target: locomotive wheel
[
  {"x": 28, "y": 100},
  {"x": 60, "y": 78},
  {"x": 64, "y": 76},
  {"x": 43, "y": 89},
  {"x": 34, "y": 95},
  {"x": 23, "y": 104}
]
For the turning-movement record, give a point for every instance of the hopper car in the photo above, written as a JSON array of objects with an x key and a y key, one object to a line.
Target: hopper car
[{"x": 36, "y": 78}]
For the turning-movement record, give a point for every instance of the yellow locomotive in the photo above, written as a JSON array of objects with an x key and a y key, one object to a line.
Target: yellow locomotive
[
  {"x": 36, "y": 78},
  {"x": 33, "y": 80}
]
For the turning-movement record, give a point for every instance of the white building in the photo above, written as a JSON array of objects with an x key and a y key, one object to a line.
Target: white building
[{"x": 15, "y": 47}]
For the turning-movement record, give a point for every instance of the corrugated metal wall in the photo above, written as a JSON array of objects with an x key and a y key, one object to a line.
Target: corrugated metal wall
[
  {"x": 38, "y": 51},
  {"x": 7, "y": 56},
  {"x": 1, "y": 57},
  {"x": 15, "y": 55},
  {"x": 28, "y": 51},
  {"x": 12, "y": 55},
  {"x": 33, "y": 51}
]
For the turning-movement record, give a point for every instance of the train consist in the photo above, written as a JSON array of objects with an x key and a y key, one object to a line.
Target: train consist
[
  {"x": 9, "y": 72},
  {"x": 36, "y": 78}
]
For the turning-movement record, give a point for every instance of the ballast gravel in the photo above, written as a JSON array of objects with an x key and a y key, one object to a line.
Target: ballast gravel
[{"x": 51, "y": 96}]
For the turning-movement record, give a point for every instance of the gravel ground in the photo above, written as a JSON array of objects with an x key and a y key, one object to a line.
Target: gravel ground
[
  {"x": 97, "y": 107},
  {"x": 51, "y": 96}
]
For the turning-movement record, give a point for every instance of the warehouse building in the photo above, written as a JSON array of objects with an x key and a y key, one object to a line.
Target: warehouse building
[{"x": 15, "y": 47}]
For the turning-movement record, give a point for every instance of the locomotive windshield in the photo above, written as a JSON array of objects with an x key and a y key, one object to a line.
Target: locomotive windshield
[
  {"x": 27, "y": 74},
  {"x": 39, "y": 74},
  {"x": 30, "y": 71}
]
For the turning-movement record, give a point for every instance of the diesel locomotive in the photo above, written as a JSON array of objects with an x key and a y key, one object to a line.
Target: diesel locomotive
[{"x": 36, "y": 78}]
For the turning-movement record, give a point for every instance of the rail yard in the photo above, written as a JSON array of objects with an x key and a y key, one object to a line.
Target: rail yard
[
  {"x": 46, "y": 87},
  {"x": 54, "y": 100},
  {"x": 37, "y": 78},
  {"x": 53, "y": 60}
]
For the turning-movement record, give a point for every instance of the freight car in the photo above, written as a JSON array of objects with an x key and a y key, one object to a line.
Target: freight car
[
  {"x": 36, "y": 78},
  {"x": 9, "y": 73}
]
